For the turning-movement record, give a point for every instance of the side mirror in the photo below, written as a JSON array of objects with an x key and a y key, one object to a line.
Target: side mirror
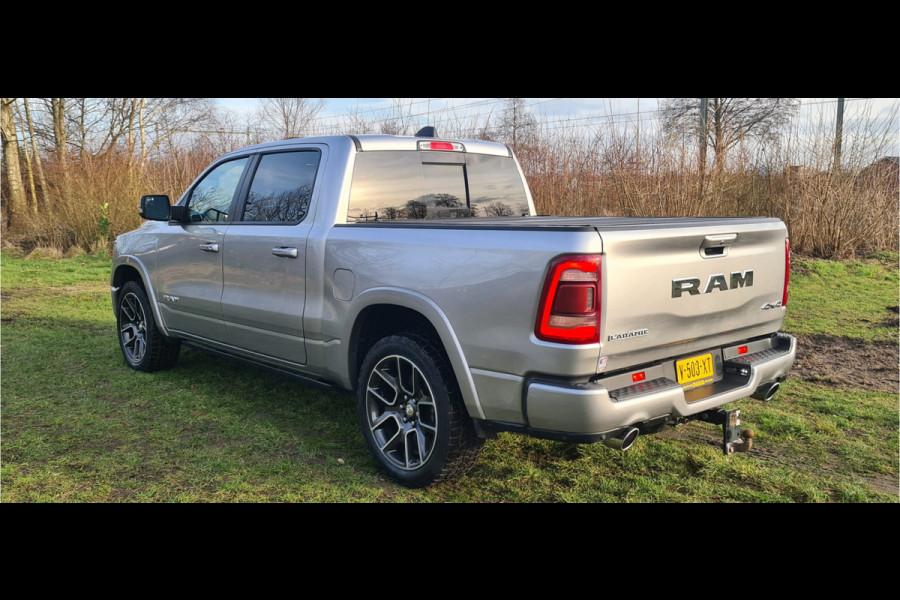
[{"x": 154, "y": 208}]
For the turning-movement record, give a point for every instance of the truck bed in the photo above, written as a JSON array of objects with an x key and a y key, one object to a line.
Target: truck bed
[{"x": 548, "y": 223}]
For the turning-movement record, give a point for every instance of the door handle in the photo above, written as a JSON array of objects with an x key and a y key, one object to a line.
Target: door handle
[
  {"x": 286, "y": 252},
  {"x": 209, "y": 247}
]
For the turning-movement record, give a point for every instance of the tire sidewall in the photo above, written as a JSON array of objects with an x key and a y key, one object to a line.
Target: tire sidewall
[{"x": 441, "y": 392}]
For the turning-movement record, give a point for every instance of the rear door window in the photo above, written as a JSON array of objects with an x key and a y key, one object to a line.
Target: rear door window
[{"x": 282, "y": 187}]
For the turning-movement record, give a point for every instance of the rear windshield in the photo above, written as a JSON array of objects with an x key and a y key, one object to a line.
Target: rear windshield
[{"x": 404, "y": 185}]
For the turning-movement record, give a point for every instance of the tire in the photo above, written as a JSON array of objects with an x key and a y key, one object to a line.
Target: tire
[
  {"x": 143, "y": 346},
  {"x": 412, "y": 415}
]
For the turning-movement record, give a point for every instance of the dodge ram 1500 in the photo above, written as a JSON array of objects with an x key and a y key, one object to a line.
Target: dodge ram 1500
[{"x": 415, "y": 272}]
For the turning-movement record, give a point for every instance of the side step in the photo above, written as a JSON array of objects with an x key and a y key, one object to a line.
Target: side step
[{"x": 261, "y": 366}]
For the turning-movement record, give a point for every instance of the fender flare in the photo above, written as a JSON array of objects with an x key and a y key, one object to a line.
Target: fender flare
[
  {"x": 432, "y": 312},
  {"x": 136, "y": 263}
]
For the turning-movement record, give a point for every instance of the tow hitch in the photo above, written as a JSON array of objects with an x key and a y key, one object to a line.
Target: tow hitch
[{"x": 730, "y": 420}]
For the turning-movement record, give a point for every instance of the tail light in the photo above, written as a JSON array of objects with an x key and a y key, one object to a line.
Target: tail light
[
  {"x": 444, "y": 146},
  {"x": 569, "y": 312},
  {"x": 787, "y": 271}
]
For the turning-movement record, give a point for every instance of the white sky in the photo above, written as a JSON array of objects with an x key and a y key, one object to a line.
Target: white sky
[
  {"x": 552, "y": 108},
  {"x": 566, "y": 113}
]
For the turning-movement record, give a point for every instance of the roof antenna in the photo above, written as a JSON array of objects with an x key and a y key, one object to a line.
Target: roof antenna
[{"x": 427, "y": 132}]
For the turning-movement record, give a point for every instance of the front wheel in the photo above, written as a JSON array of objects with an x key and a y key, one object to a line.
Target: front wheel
[
  {"x": 143, "y": 346},
  {"x": 411, "y": 413}
]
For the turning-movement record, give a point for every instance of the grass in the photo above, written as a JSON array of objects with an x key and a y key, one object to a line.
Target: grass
[
  {"x": 857, "y": 293},
  {"x": 78, "y": 426}
]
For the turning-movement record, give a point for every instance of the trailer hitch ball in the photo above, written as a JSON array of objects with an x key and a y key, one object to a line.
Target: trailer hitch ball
[{"x": 745, "y": 444}]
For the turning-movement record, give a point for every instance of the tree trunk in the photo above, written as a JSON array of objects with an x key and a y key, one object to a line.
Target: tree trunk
[
  {"x": 31, "y": 198},
  {"x": 15, "y": 199},
  {"x": 82, "y": 130},
  {"x": 44, "y": 200},
  {"x": 720, "y": 143},
  {"x": 141, "y": 129},
  {"x": 59, "y": 131}
]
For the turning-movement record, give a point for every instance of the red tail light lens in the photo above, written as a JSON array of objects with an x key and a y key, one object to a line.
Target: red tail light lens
[
  {"x": 787, "y": 271},
  {"x": 569, "y": 312},
  {"x": 444, "y": 146}
]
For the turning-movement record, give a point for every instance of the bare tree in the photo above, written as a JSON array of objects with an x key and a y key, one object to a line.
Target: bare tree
[
  {"x": 499, "y": 209},
  {"x": 517, "y": 124},
  {"x": 289, "y": 117},
  {"x": 135, "y": 126},
  {"x": 447, "y": 200},
  {"x": 416, "y": 209},
  {"x": 59, "y": 130},
  {"x": 392, "y": 213},
  {"x": 31, "y": 198},
  {"x": 390, "y": 127},
  {"x": 731, "y": 120},
  {"x": 15, "y": 198},
  {"x": 38, "y": 167}
]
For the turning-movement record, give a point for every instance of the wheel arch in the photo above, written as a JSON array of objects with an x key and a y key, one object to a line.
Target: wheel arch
[
  {"x": 129, "y": 268},
  {"x": 381, "y": 312}
]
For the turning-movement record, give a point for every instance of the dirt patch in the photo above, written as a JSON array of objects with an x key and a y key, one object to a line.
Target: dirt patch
[
  {"x": 884, "y": 483},
  {"x": 51, "y": 291},
  {"x": 6, "y": 316},
  {"x": 847, "y": 363},
  {"x": 798, "y": 268},
  {"x": 694, "y": 432},
  {"x": 59, "y": 238}
]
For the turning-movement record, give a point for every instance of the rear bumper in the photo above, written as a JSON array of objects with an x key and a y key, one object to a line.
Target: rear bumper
[{"x": 590, "y": 411}]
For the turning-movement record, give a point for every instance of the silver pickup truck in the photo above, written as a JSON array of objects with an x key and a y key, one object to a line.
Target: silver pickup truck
[{"x": 414, "y": 272}]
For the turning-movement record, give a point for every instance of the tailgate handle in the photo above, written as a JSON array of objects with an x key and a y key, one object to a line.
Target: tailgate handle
[{"x": 717, "y": 245}]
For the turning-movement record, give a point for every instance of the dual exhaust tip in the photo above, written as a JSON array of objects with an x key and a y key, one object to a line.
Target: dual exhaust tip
[
  {"x": 766, "y": 391},
  {"x": 624, "y": 439}
]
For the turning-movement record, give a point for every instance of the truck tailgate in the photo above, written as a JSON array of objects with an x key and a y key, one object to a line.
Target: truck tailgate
[{"x": 673, "y": 287}]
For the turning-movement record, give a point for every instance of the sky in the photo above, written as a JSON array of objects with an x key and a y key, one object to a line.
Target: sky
[
  {"x": 550, "y": 108},
  {"x": 566, "y": 113}
]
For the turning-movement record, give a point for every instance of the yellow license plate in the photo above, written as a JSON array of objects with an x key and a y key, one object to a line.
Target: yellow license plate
[{"x": 695, "y": 371}]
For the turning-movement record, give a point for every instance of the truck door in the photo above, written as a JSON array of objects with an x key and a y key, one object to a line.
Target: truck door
[
  {"x": 265, "y": 256},
  {"x": 189, "y": 256}
]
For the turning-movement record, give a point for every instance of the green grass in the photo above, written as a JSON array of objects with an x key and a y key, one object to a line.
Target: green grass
[
  {"x": 845, "y": 299},
  {"x": 79, "y": 426}
]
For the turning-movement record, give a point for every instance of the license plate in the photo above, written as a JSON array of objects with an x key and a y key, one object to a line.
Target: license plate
[{"x": 695, "y": 371}]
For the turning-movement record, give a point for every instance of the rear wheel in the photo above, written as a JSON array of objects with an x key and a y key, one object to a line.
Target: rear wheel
[
  {"x": 411, "y": 413},
  {"x": 143, "y": 346}
]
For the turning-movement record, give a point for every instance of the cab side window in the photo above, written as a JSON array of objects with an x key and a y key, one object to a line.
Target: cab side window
[
  {"x": 211, "y": 199},
  {"x": 282, "y": 187}
]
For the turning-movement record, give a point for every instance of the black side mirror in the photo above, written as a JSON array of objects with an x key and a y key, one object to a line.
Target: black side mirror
[{"x": 154, "y": 208}]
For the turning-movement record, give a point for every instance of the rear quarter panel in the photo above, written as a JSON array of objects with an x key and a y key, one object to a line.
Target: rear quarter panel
[{"x": 485, "y": 284}]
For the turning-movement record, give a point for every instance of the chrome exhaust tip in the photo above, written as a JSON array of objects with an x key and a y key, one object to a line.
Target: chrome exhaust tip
[
  {"x": 624, "y": 439},
  {"x": 766, "y": 391}
]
